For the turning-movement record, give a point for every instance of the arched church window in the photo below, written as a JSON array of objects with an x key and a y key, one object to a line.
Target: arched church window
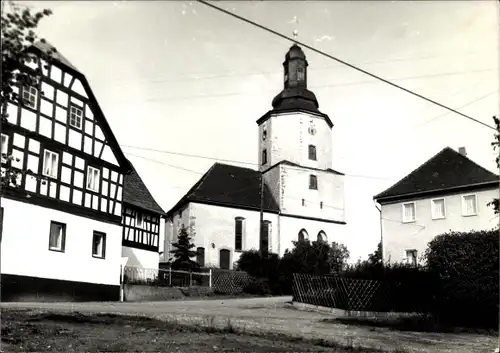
[
  {"x": 322, "y": 236},
  {"x": 312, "y": 152},
  {"x": 303, "y": 235}
]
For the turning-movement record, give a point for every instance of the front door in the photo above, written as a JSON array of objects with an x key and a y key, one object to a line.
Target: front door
[{"x": 224, "y": 259}]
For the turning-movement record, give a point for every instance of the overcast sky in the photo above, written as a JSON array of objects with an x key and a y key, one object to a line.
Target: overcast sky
[{"x": 182, "y": 77}]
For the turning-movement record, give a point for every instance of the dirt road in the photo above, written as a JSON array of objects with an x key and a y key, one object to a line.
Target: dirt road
[{"x": 275, "y": 315}]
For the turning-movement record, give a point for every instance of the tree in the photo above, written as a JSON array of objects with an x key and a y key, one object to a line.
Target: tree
[
  {"x": 375, "y": 258},
  {"x": 496, "y": 147},
  {"x": 337, "y": 257},
  {"x": 17, "y": 35},
  {"x": 183, "y": 252}
]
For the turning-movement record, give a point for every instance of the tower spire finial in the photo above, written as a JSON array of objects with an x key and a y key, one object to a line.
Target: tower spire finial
[{"x": 295, "y": 31}]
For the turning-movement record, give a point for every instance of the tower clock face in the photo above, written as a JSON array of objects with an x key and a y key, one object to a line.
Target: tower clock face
[
  {"x": 312, "y": 130},
  {"x": 264, "y": 135}
]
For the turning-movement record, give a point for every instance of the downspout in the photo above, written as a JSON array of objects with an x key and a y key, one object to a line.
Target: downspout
[{"x": 381, "y": 232}]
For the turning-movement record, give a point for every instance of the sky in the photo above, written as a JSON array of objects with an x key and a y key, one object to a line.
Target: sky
[{"x": 181, "y": 77}]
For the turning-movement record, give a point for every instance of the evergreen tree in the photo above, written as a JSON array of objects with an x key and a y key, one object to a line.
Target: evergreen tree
[
  {"x": 183, "y": 252},
  {"x": 496, "y": 147}
]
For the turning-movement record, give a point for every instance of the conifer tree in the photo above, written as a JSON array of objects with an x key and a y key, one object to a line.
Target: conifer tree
[{"x": 183, "y": 252}]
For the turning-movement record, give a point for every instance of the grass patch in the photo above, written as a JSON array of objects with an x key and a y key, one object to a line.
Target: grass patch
[
  {"x": 414, "y": 323},
  {"x": 49, "y": 331}
]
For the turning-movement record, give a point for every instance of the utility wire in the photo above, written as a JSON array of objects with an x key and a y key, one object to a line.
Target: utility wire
[
  {"x": 218, "y": 159},
  {"x": 342, "y": 62}
]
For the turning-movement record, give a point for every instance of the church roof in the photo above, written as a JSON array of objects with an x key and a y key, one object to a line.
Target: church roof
[
  {"x": 136, "y": 193},
  {"x": 447, "y": 170},
  {"x": 230, "y": 186}
]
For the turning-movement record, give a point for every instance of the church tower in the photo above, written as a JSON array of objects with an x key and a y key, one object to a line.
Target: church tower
[{"x": 295, "y": 154}]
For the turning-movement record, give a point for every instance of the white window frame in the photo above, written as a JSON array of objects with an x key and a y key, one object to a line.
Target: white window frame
[
  {"x": 4, "y": 147},
  {"x": 464, "y": 208},
  {"x": 94, "y": 188},
  {"x": 403, "y": 219},
  {"x": 433, "y": 208},
  {"x": 62, "y": 234},
  {"x": 28, "y": 95},
  {"x": 51, "y": 174},
  {"x": 77, "y": 118}
]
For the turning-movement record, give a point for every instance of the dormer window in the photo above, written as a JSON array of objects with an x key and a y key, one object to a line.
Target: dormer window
[
  {"x": 30, "y": 95},
  {"x": 75, "y": 117},
  {"x": 312, "y": 152}
]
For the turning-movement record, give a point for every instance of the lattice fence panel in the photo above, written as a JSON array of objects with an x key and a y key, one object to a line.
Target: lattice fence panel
[{"x": 230, "y": 282}]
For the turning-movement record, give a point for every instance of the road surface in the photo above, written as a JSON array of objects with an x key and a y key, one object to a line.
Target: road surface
[{"x": 275, "y": 315}]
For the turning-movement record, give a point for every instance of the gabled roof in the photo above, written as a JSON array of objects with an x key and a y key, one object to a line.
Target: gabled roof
[
  {"x": 64, "y": 63},
  {"x": 136, "y": 193},
  {"x": 447, "y": 170},
  {"x": 230, "y": 186}
]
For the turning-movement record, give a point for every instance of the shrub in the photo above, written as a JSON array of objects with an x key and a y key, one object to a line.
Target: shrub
[{"x": 466, "y": 268}]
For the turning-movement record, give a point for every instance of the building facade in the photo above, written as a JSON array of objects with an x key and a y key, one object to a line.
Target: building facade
[
  {"x": 449, "y": 192},
  {"x": 62, "y": 231},
  {"x": 302, "y": 196}
]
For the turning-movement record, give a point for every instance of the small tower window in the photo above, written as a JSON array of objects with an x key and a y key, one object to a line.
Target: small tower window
[
  {"x": 312, "y": 152},
  {"x": 313, "y": 182},
  {"x": 321, "y": 204},
  {"x": 264, "y": 156},
  {"x": 303, "y": 202}
]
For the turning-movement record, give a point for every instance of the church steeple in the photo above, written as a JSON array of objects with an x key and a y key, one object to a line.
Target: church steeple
[{"x": 295, "y": 94}]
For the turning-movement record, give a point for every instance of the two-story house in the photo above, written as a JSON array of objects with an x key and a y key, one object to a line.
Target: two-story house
[
  {"x": 62, "y": 231},
  {"x": 448, "y": 192}
]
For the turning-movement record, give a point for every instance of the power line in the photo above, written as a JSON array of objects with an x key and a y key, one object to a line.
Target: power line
[
  {"x": 218, "y": 159},
  {"x": 345, "y": 84},
  {"x": 341, "y": 61}
]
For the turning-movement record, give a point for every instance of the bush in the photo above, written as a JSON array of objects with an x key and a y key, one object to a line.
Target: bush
[{"x": 466, "y": 268}]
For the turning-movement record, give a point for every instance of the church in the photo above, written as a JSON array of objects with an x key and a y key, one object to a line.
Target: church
[{"x": 295, "y": 191}]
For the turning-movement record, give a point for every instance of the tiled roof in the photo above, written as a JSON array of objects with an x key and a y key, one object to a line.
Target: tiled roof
[
  {"x": 447, "y": 169},
  {"x": 46, "y": 47},
  {"x": 231, "y": 186},
  {"x": 137, "y": 194}
]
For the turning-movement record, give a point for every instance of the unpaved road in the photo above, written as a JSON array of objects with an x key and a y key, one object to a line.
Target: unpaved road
[{"x": 275, "y": 315}]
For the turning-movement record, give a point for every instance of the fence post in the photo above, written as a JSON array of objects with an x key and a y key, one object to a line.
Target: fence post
[
  {"x": 121, "y": 282},
  {"x": 170, "y": 277},
  {"x": 210, "y": 278},
  {"x": 190, "y": 278}
]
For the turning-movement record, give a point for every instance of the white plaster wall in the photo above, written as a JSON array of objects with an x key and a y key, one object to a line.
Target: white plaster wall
[
  {"x": 216, "y": 224},
  {"x": 295, "y": 187},
  {"x": 290, "y": 228},
  {"x": 25, "y": 245},
  {"x": 399, "y": 237},
  {"x": 288, "y": 139},
  {"x": 141, "y": 258}
]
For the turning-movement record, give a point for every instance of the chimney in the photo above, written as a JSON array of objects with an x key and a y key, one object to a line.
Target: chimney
[{"x": 462, "y": 151}]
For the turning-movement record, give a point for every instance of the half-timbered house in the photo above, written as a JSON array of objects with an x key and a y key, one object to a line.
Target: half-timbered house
[
  {"x": 142, "y": 225},
  {"x": 62, "y": 231}
]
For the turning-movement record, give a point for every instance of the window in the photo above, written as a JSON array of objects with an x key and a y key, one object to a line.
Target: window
[
  {"x": 303, "y": 202},
  {"x": 469, "y": 205},
  {"x": 313, "y": 182},
  {"x": 57, "y": 236},
  {"x": 50, "y": 161},
  {"x": 409, "y": 212},
  {"x": 321, "y": 205},
  {"x": 99, "y": 245},
  {"x": 4, "y": 147},
  {"x": 303, "y": 235},
  {"x": 93, "y": 179},
  {"x": 75, "y": 117},
  {"x": 312, "y": 152},
  {"x": 438, "y": 209},
  {"x": 411, "y": 257},
  {"x": 264, "y": 157},
  {"x": 238, "y": 233},
  {"x": 29, "y": 95},
  {"x": 200, "y": 256},
  {"x": 266, "y": 230},
  {"x": 139, "y": 218},
  {"x": 322, "y": 236}
]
